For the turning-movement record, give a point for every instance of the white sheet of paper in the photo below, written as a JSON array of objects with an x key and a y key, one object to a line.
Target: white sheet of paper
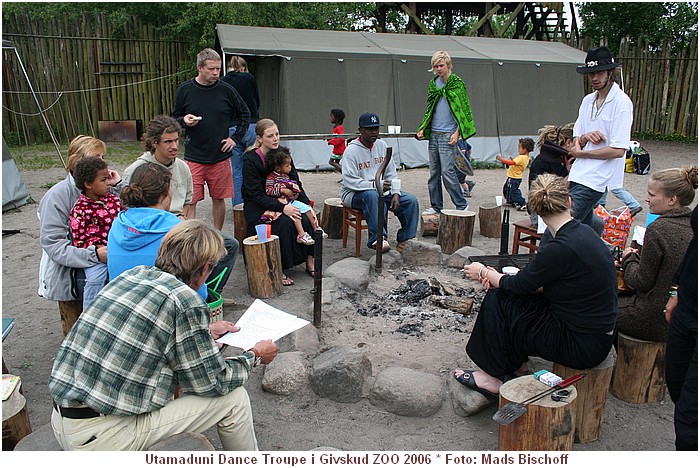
[{"x": 262, "y": 322}]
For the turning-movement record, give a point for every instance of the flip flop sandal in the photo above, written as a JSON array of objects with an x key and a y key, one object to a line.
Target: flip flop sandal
[
  {"x": 287, "y": 281},
  {"x": 467, "y": 379}
]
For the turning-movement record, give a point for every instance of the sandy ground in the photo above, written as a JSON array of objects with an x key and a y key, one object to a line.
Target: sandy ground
[{"x": 303, "y": 422}]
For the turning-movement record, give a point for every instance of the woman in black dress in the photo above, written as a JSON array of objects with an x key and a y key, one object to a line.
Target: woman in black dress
[
  {"x": 570, "y": 322},
  {"x": 256, "y": 201}
]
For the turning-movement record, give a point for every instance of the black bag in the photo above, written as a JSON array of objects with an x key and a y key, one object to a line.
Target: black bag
[{"x": 642, "y": 162}]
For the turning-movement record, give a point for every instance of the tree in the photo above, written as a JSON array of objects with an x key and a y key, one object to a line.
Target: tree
[{"x": 653, "y": 22}]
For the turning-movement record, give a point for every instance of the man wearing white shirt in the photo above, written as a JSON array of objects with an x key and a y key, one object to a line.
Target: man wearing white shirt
[{"x": 602, "y": 135}]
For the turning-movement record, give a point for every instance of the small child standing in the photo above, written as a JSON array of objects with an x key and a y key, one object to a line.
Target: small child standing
[
  {"x": 339, "y": 144},
  {"x": 516, "y": 167},
  {"x": 91, "y": 218},
  {"x": 279, "y": 185}
]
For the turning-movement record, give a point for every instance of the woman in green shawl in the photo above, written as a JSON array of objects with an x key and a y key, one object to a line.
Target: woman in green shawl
[{"x": 447, "y": 119}]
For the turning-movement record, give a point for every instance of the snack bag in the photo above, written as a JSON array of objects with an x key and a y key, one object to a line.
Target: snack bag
[{"x": 618, "y": 224}]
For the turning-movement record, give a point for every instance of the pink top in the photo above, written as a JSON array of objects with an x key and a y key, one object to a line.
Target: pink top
[{"x": 90, "y": 219}]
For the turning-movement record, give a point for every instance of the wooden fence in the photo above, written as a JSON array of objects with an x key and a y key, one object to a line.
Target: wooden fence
[
  {"x": 664, "y": 89},
  {"x": 82, "y": 76}
]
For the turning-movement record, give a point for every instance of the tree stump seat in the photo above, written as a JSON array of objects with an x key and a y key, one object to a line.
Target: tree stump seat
[
  {"x": 592, "y": 395},
  {"x": 263, "y": 267},
  {"x": 639, "y": 371}
]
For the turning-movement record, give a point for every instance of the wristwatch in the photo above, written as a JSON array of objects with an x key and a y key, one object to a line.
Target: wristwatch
[{"x": 258, "y": 358}]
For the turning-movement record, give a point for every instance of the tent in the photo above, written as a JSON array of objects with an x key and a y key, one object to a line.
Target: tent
[
  {"x": 14, "y": 192},
  {"x": 515, "y": 86}
]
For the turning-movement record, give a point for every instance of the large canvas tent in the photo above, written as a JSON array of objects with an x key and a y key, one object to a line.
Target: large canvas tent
[{"x": 515, "y": 86}]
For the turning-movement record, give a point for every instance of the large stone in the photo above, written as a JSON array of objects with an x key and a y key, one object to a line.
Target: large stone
[
  {"x": 390, "y": 260},
  {"x": 461, "y": 256},
  {"x": 287, "y": 374},
  {"x": 465, "y": 401},
  {"x": 418, "y": 253},
  {"x": 304, "y": 339},
  {"x": 407, "y": 392},
  {"x": 340, "y": 374},
  {"x": 351, "y": 272}
]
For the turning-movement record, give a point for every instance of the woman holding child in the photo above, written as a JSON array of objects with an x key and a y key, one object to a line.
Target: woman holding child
[
  {"x": 61, "y": 276},
  {"x": 257, "y": 201},
  {"x": 571, "y": 322},
  {"x": 650, "y": 272}
]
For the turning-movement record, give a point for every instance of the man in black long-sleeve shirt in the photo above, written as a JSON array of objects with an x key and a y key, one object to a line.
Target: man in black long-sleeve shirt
[{"x": 207, "y": 108}]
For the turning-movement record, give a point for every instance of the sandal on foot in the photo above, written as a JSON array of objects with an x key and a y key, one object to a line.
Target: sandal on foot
[
  {"x": 287, "y": 281},
  {"x": 467, "y": 379},
  {"x": 305, "y": 239}
]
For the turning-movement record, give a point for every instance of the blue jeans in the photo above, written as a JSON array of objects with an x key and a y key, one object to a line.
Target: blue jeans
[
  {"x": 623, "y": 195},
  {"x": 511, "y": 192},
  {"x": 583, "y": 201},
  {"x": 96, "y": 278},
  {"x": 442, "y": 170},
  {"x": 368, "y": 202},
  {"x": 237, "y": 163}
]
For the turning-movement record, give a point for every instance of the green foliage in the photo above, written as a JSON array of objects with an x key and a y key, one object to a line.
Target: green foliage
[
  {"x": 652, "y": 22},
  {"x": 651, "y": 135}
]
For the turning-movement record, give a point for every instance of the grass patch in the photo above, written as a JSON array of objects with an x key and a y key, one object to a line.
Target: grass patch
[{"x": 44, "y": 156}]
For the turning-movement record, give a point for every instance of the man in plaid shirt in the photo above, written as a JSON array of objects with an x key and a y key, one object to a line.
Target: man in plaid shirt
[{"x": 145, "y": 333}]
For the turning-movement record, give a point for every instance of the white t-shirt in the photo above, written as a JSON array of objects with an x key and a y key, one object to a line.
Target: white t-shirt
[{"x": 614, "y": 120}]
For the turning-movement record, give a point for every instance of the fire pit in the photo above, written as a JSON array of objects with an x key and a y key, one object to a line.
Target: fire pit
[{"x": 423, "y": 305}]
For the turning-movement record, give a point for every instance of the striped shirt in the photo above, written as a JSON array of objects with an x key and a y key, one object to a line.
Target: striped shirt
[{"x": 145, "y": 333}]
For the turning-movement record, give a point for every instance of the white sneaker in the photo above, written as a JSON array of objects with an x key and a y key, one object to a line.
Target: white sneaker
[
  {"x": 385, "y": 246},
  {"x": 466, "y": 208},
  {"x": 430, "y": 211}
]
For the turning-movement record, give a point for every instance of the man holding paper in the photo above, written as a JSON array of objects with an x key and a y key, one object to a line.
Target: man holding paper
[{"x": 145, "y": 333}]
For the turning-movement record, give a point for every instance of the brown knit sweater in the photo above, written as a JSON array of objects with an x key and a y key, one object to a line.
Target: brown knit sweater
[{"x": 651, "y": 273}]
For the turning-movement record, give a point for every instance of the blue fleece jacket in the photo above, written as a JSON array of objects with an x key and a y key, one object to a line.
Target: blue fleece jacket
[{"x": 135, "y": 238}]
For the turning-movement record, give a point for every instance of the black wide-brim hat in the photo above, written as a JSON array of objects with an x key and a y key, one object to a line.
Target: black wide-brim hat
[{"x": 597, "y": 59}]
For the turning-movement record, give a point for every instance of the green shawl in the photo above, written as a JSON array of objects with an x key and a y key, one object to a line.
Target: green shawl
[{"x": 455, "y": 91}]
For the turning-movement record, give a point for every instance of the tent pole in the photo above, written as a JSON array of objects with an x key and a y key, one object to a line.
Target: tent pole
[{"x": 41, "y": 110}]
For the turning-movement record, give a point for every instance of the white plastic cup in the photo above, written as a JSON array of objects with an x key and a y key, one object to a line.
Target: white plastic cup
[
  {"x": 391, "y": 129},
  {"x": 499, "y": 200},
  {"x": 261, "y": 229},
  {"x": 510, "y": 270},
  {"x": 395, "y": 185},
  {"x": 397, "y": 129}
]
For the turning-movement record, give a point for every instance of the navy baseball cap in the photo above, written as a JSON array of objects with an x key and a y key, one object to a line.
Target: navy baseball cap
[{"x": 369, "y": 120}]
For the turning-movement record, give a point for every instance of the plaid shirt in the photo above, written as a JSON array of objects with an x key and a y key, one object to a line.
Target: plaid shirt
[{"x": 145, "y": 333}]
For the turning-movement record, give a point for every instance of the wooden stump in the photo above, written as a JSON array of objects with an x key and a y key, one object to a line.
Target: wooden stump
[
  {"x": 429, "y": 224},
  {"x": 490, "y": 221},
  {"x": 263, "y": 266},
  {"x": 639, "y": 371},
  {"x": 70, "y": 311},
  {"x": 331, "y": 219},
  {"x": 15, "y": 419},
  {"x": 240, "y": 225},
  {"x": 455, "y": 230},
  {"x": 546, "y": 425},
  {"x": 592, "y": 395}
]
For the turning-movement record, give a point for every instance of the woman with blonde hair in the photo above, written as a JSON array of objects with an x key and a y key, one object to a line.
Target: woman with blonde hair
[
  {"x": 61, "y": 276},
  {"x": 650, "y": 272},
  {"x": 256, "y": 200},
  {"x": 570, "y": 322}
]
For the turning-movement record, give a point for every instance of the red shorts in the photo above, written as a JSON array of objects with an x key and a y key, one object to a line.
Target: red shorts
[{"x": 217, "y": 177}]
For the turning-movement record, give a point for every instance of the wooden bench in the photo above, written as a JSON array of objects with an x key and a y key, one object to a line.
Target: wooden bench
[{"x": 525, "y": 235}]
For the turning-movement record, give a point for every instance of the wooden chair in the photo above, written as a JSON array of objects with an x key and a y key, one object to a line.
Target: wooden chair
[
  {"x": 355, "y": 219},
  {"x": 525, "y": 235}
]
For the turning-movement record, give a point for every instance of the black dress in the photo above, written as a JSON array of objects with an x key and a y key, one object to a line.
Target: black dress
[
  {"x": 256, "y": 202},
  {"x": 567, "y": 323}
]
